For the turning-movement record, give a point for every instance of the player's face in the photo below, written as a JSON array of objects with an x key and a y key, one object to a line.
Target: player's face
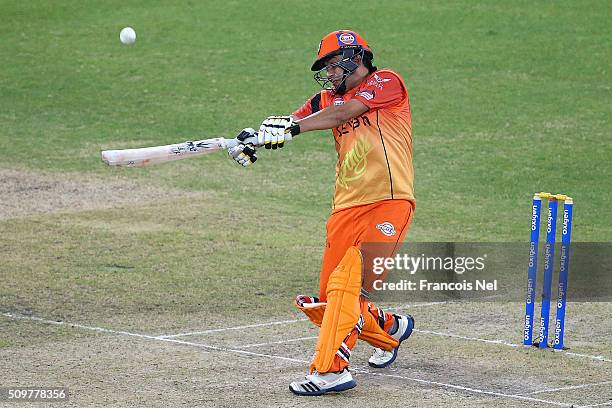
[
  {"x": 334, "y": 72},
  {"x": 334, "y": 77}
]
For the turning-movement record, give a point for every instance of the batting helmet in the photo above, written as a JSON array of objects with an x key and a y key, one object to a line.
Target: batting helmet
[{"x": 345, "y": 42}]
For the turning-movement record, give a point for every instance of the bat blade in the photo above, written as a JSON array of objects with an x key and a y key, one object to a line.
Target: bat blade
[{"x": 159, "y": 154}]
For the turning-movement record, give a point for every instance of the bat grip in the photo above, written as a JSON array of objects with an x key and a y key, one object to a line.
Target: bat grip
[{"x": 235, "y": 142}]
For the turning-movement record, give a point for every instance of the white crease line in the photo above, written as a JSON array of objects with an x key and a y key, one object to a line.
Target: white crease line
[
  {"x": 457, "y": 336},
  {"x": 416, "y": 330},
  {"x": 103, "y": 330},
  {"x": 600, "y": 358},
  {"x": 598, "y": 405},
  {"x": 442, "y": 302},
  {"x": 572, "y": 387},
  {"x": 505, "y": 343},
  {"x": 145, "y": 336},
  {"x": 451, "y": 335},
  {"x": 418, "y": 380},
  {"x": 411, "y": 305},
  {"x": 276, "y": 342},
  {"x": 472, "y": 390},
  {"x": 169, "y": 336},
  {"x": 248, "y": 326}
]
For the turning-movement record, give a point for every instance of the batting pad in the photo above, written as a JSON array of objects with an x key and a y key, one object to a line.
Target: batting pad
[
  {"x": 342, "y": 311},
  {"x": 371, "y": 332}
]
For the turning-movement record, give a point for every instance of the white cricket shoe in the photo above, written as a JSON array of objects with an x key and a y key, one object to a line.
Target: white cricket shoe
[
  {"x": 319, "y": 384},
  {"x": 382, "y": 358}
]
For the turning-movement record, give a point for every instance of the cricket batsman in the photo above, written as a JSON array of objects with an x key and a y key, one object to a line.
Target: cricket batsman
[{"x": 368, "y": 111}]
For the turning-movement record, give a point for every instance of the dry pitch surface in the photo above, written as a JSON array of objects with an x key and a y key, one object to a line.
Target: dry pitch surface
[
  {"x": 461, "y": 354},
  {"x": 449, "y": 361}
]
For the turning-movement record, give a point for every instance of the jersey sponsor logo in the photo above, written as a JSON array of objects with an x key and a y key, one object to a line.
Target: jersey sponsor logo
[
  {"x": 354, "y": 164},
  {"x": 386, "y": 228},
  {"x": 367, "y": 95},
  {"x": 338, "y": 101},
  {"x": 346, "y": 39},
  {"x": 352, "y": 124}
]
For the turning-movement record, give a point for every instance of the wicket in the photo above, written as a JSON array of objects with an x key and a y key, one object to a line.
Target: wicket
[{"x": 551, "y": 229}]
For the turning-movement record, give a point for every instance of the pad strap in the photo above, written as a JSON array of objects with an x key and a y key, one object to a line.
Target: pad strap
[
  {"x": 312, "y": 308},
  {"x": 369, "y": 325},
  {"x": 372, "y": 331}
]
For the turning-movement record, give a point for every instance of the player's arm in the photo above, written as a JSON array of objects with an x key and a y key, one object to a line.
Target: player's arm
[
  {"x": 332, "y": 116},
  {"x": 245, "y": 154},
  {"x": 272, "y": 131}
]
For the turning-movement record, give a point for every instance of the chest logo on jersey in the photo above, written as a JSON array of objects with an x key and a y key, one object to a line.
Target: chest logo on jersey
[
  {"x": 352, "y": 125},
  {"x": 386, "y": 228},
  {"x": 354, "y": 164}
]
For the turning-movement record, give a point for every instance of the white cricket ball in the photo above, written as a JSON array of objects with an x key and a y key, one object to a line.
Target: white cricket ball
[{"x": 127, "y": 35}]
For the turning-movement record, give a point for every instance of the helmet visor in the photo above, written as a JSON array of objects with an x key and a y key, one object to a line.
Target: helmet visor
[
  {"x": 331, "y": 76},
  {"x": 337, "y": 69}
]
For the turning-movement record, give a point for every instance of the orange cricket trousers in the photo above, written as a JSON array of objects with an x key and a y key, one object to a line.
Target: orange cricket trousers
[{"x": 384, "y": 222}]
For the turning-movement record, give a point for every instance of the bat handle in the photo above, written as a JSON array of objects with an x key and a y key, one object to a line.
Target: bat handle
[{"x": 235, "y": 142}]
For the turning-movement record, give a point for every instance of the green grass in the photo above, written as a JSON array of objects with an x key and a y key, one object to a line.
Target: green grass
[
  {"x": 154, "y": 258},
  {"x": 507, "y": 99}
]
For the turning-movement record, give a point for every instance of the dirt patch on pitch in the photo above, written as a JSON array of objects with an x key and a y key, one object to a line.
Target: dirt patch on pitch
[{"x": 26, "y": 193}]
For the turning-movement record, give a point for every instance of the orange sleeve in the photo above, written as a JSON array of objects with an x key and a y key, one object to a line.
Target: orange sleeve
[
  {"x": 312, "y": 105},
  {"x": 382, "y": 89}
]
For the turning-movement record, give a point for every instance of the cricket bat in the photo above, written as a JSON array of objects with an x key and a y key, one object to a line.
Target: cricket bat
[
  {"x": 159, "y": 154},
  {"x": 146, "y": 156}
]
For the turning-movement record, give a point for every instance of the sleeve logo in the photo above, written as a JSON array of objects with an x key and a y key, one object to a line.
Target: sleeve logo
[
  {"x": 386, "y": 228},
  {"x": 367, "y": 95},
  {"x": 377, "y": 81},
  {"x": 381, "y": 80}
]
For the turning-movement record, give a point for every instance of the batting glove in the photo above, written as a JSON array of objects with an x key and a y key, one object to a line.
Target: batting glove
[
  {"x": 272, "y": 131},
  {"x": 244, "y": 153}
]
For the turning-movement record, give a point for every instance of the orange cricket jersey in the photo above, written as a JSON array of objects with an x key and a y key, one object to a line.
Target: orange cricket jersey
[{"x": 374, "y": 149}]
